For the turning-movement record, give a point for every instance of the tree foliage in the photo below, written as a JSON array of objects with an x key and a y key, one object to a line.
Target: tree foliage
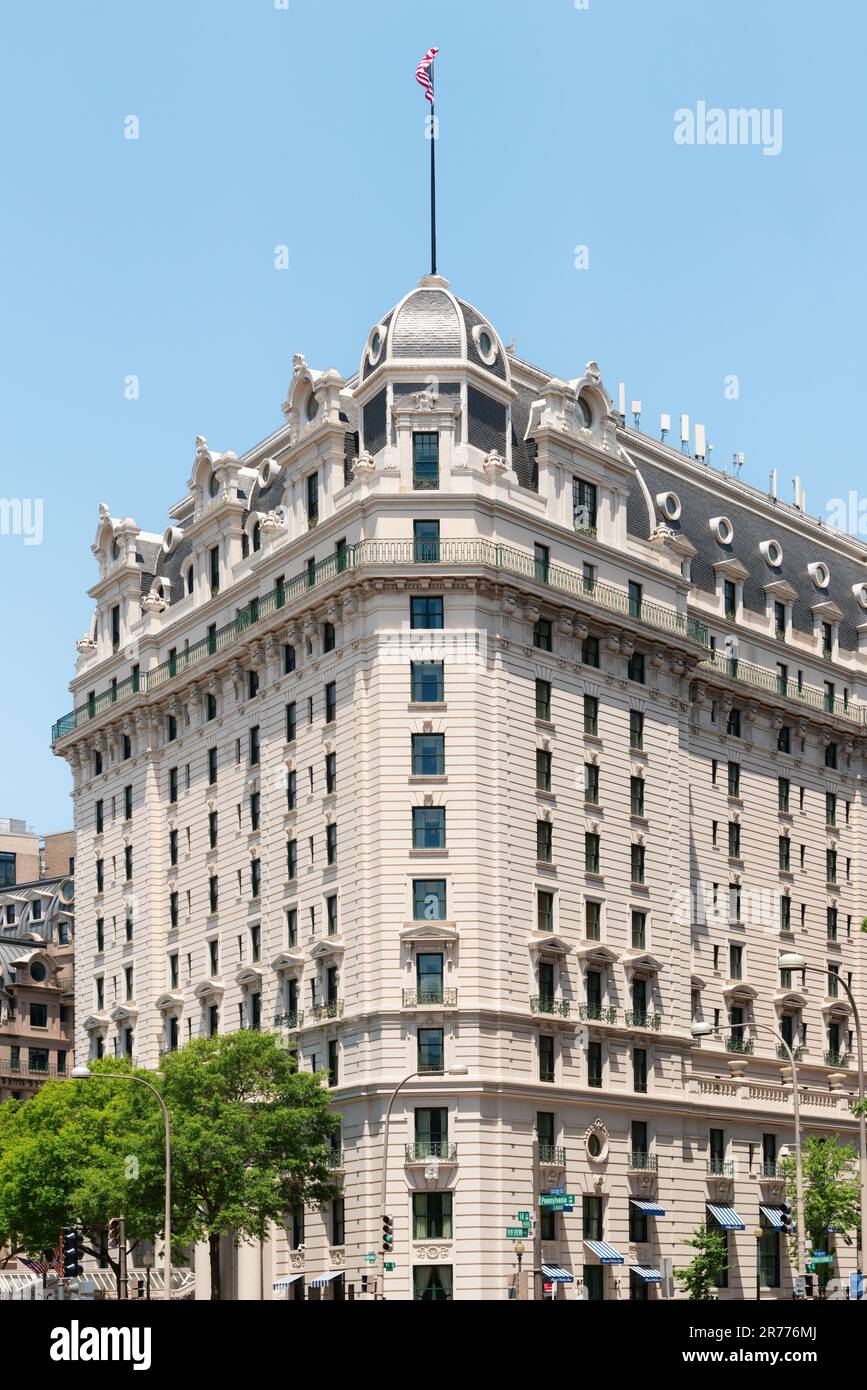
[
  {"x": 831, "y": 1189},
  {"x": 704, "y": 1273}
]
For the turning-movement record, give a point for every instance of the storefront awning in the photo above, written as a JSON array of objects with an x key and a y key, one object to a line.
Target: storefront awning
[
  {"x": 285, "y": 1282},
  {"x": 774, "y": 1216},
  {"x": 555, "y": 1275},
  {"x": 322, "y": 1279},
  {"x": 727, "y": 1217},
  {"x": 650, "y": 1276},
  {"x": 649, "y": 1208},
  {"x": 607, "y": 1254}
]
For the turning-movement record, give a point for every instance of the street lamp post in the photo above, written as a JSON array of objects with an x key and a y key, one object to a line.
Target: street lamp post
[
  {"x": 383, "y": 1192},
  {"x": 700, "y": 1030},
  {"x": 792, "y": 961},
  {"x": 82, "y": 1073}
]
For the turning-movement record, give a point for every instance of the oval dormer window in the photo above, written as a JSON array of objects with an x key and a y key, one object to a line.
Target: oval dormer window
[
  {"x": 311, "y": 409},
  {"x": 485, "y": 345},
  {"x": 722, "y": 529},
  {"x": 669, "y": 505},
  {"x": 376, "y": 344},
  {"x": 820, "y": 574},
  {"x": 38, "y": 971},
  {"x": 115, "y": 549},
  {"x": 584, "y": 413},
  {"x": 213, "y": 485},
  {"x": 773, "y": 553}
]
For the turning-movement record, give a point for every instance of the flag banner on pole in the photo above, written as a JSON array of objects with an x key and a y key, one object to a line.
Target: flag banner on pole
[{"x": 422, "y": 74}]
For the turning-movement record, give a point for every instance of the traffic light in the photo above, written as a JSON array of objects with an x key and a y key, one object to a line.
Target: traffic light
[
  {"x": 788, "y": 1219},
  {"x": 114, "y": 1233},
  {"x": 73, "y": 1252},
  {"x": 387, "y": 1235}
]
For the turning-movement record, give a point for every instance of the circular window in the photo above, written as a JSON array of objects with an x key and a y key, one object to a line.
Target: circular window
[
  {"x": 375, "y": 340},
  {"x": 311, "y": 409},
  {"x": 67, "y": 891},
  {"x": 820, "y": 574},
  {"x": 376, "y": 343},
  {"x": 38, "y": 971},
  {"x": 860, "y": 592},
  {"x": 594, "y": 1145},
  {"x": 485, "y": 344},
  {"x": 773, "y": 553},
  {"x": 722, "y": 529},
  {"x": 213, "y": 485},
  {"x": 582, "y": 410},
  {"x": 596, "y": 1142},
  {"x": 669, "y": 505}
]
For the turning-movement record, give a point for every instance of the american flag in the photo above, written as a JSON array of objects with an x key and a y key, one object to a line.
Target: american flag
[
  {"x": 43, "y": 1266},
  {"x": 422, "y": 76}
]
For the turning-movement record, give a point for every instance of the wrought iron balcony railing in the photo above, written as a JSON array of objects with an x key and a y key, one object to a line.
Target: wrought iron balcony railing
[
  {"x": 642, "y": 1162},
  {"x": 771, "y": 1168},
  {"x": 720, "y": 1168},
  {"x": 760, "y": 678},
  {"x": 293, "y": 1019},
  {"x": 423, "y": 1149},
  {"x": 797, "y": 1053},
  {"x": 643, "y": 1020},
  {"x": 836, "y": 1059},
  {"x": 553, "y": 1155},
  {"x": 488, "y": 554},
  {"x": 540, "y": 1004},
  {"x": 744, "y": 1045},
  {"x": 335, "y": 1160},
  {"x": 332, "y": 1009},
  {"x": 597, "y": 1013},
  {"x": 422, "y": 998}
]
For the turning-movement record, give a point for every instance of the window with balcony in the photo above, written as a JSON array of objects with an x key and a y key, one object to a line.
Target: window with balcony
[
  {"x": 429, "y": 977},
  {"x": 542, "y": 562},
  {"x": 426, "y": 542},
  {"x": 425, "y": 460},
  {"x": 431, "y": 1132},
  {"x": 431, "y": 1053}
]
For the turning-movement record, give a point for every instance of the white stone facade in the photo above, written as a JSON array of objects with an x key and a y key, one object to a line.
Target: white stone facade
[{"x": 510, "y": 442}]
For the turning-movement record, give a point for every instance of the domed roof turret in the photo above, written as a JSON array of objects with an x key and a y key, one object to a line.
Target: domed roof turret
[{"x": 432, "y": 324}]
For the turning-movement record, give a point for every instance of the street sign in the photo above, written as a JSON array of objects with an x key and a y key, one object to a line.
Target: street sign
[
  {"x": 800, "y": 1285},
  {"x": 370, "y": 1259},
  {"x": 558, "y": 1203},
  {"x": 524, "y": 1218},
  {"x": 556, "y": 1192},
  {"x": 517, "y": 1232},
  {"x": 389, "y": 1264},
  {"x": 818, "y": 1258}
]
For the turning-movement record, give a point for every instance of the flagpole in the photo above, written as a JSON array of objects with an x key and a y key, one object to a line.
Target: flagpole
[{"x": 433, "y": 179}]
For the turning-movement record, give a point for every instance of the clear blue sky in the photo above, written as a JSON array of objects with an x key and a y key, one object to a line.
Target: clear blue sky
[{"x": 304, "y": 126}]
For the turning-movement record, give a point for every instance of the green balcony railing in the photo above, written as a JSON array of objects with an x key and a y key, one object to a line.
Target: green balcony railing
[
  {"x": 771, "y": 1169},
  {"x": 644, "y": 1020},
  {"x": 720, "y": 1168},
  {"x": 760, "y": 678},
  {"x": 422, "y": 998},
  {"x": 553, "y": 1155},
  {"x": 743, "y": 1045},
  {"x": 423, "y": 1149},
  {"x": 335, "y": 1160},
  {"x": 642, "y": 1162},
  {"x": 333, "y": 1009},
  {"x": 597, "y": 1013},
  {"x": 539, "y": 1004},
  {"x": 797, "y": 1053},
  {"x": 294, "y": 1019},
  {"x": 505, "y": 559},
  {"x": 836, "y": 1059}
]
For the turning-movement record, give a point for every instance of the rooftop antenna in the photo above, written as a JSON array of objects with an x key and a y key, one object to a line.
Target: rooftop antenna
[
  {"x": 773, "y": 489},
  {"x": 621, "y": 398},
  {"x": 684, "y": 434},
  {"x": 737, "y": 464},
  {"x": 797, "y": 487},
  {"x": 664, "y": 426},
  {"x": 700, "y": 443},
  {"x": 636, "y": 413}
]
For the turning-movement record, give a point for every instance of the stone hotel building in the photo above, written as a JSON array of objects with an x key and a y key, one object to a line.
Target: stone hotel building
[{"x": 475, "y": 740}]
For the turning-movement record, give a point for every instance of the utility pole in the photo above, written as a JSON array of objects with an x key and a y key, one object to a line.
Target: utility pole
[
  {"x": 537, "y": 1224},
  {"x": 121, "y": 1258}
]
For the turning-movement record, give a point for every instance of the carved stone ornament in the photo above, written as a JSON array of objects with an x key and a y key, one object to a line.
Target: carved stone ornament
[
  {"x": 432, "y": 1252},
  {"x": 364, "y": 466},
  {"x": 85, "y": 645},
  {"x": 425, "y": 401},
  {"x": 494, "y": 464},
  {"x": 154, "y": 602},
  {"x": 299, "y": 364}
]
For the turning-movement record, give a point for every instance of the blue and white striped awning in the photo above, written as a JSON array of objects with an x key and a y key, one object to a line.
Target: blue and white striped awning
[
  {"x": 555, "y": 1275},
  {"x": 727, "y": 1217},
  {"x": 285, "y": 1281},
  {"x": 322, "y": 1279},
  {"x": 607, "y": 1254},
  {"x": 650, "y": 1276},
  {"x": 649, "y": 1208},
  {"x": 774, "y": 1215}
]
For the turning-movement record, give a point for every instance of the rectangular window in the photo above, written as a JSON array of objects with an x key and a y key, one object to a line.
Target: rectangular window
[
  {"x": 431, "y": 1054},
  {"x": 591, "y": 1218},
  {"x": 173, "y": 846},
  {"x": 428, "y": 827},
  {"x": 331, "y": 914},
  {"x": 330, "y": 773},
  {"x": 544, "y": 841},
  {"x": 734, "y": 840},
  {"x": 173, "y": 784},
  {"x": 542, "y": 634},
  {"x": 427, "y": 682},
  {"x": 831, "y": 922},
  {"x": 254, "y": 745},
  {"x": 639, "y": 1069},
  {"x": 425, "y": 460},
  {"x": 783, "y": 792},
  {"x": 784, "y": 853},
  {"x": 590, "y": 652},
  {"x": 730, "y": 598},
  {"x": 543, "y": 770},
  {"x": 636, "y": 729},
  {"x": 288, "y": 658},
  {"x": 830, "y": 808},
  {"x": 635, "y": 668},
  {"x": 312, "y": 486},
  {"x": 426, "y": 542},
  {"x": 637, "y": 866},
  {"x": 428, "y": 755},
  {"x": 592, "y": 920},
  {"x": 736, "y": 962},
  {"x": 254, "y": 811},
  {"x": 291, "y": 859},
  {"x": 212, "y": 766},
  {"x": 330, "y": 702},
  {"x": 212, "y": 830},
  {"x": 127, "y": 862},
  {"x": 213, "y": 892},
  {"x": 100, "y": 822},
  {"x": 639, "y": 931},
  {"x": 592, "y": 858},
  {"x": 432, "y": 1216},
  {"x": 544, "y": 911},
  {"x": 591, "y": 715},
  {"x": 255, "y": 877},
  {"x": 591, "y": 783},
  {"x": 734, "y": 779},
  {"x": 733, "y": 723},
  {"x": 543, "y": 700},
  {"x": 426, "y": 611},
  {"x": 636, "y": 594},
  {"x": 780, "y": 621},
  {"x": 546, "y": 1057},
  {"x": 542, "y": 562},
  {"x": 636, "y": 796},
  {"x": 429, "y": 900},
  {"x": 584, "y": 505},
  {"x": 291, "y": 721},
  {"x": 331, "y": 843}
]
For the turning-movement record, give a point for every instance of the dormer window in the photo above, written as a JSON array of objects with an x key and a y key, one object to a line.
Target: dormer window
[
  {"x": 730, "y": 598},
  {"x": 311, "y": 409},
  {"x": 189, "y": 578},
  {"x": 115, "y": 549},
  {"x": 213, "y": 485},
  {"x": 780, "y": 619},
  {"x": 312, "y": 499},
  {"x": 584, "y": 413},
  {"x": 828, "y": 640},
  {"x": 584, "y": 506},
  {"x": 257, "y": 537},
  {"x": 115, "y": 628},
  {"x": 425, "y": 460}
]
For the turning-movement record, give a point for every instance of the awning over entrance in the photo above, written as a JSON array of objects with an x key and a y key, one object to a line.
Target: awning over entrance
[
  {"x": 727, "y": 1217},
  {"x": 649, "y": 1208},
  {"x": 555, "y": 1275},
  {"x": 607, "y": 1254},
  {"x": 650, "y": 1276},
  {"x": 322, "y": 1279},
  {"x": 774, "y": 1216},
  {"x": 285, "y": 1281}
]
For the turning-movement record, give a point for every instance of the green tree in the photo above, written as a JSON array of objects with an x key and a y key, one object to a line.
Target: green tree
[
  {"x": 79, "y": 1153},
  {"x": 831, "y": 1191},
  {"x": 250, "y": 1139},
  {"x": 702, "y": 1276}
]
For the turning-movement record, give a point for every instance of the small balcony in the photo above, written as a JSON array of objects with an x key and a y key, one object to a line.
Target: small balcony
[
  {"x": 638, "y": 1162},
  {"x": 771, "y": 1170},
  {"x": 741, "y": 1045},
  {"x": 422, "y": 1150},
  {"x": 597, "y": 1013},
  {"x": 335, "y": 1160},
  {"x": 332, "y": 1009},
  {"x": 294, "y": 1019},
  {"x": 836, "y": 1059},
  {"x": 720, "y": 1168},
  {"x": 797, "y": 1053},
  {"x": 540, "y": 1004},
  {"x": 644, "y": 1020},
  {"x": 430, "y": 998},
  {"x": 552, "y": 1156}
]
